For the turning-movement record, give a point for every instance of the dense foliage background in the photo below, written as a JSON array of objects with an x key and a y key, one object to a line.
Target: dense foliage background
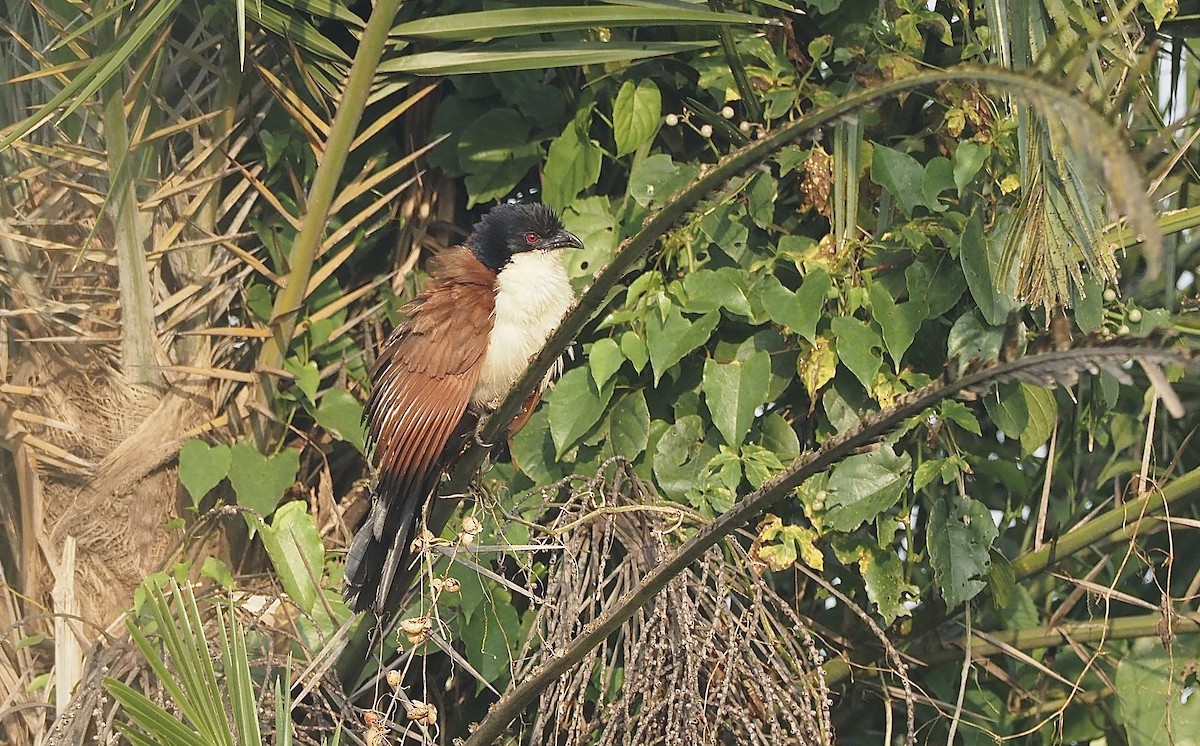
[{"x": 808, "y": 213}]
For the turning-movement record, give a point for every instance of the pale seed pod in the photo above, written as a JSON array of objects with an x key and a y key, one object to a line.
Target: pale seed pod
[{"x": 423, "y": 713}]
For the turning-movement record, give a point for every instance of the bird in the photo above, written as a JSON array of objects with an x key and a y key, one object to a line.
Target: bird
[{"x": 488, "y": 307}]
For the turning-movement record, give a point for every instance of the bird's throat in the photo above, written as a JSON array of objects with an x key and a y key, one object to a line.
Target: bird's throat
[{"x": 533, "y": 294}]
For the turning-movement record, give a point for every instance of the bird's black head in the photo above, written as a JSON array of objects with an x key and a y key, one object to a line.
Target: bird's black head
[{"x": 510, "y": 229}]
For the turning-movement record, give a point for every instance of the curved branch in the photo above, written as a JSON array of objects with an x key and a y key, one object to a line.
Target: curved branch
[{"x": 1046, "y": 368}]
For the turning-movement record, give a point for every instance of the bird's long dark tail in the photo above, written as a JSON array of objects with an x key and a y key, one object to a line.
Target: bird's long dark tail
[{"x": 380, "y": 564}]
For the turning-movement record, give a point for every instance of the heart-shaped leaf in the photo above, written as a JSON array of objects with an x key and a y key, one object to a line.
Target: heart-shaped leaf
[
  {"x": 202, "y": 467},
  {"x": 260, "y": 481}
]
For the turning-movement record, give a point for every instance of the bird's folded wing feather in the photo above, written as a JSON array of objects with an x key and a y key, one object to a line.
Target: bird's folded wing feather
[{"x": 423, "y": 382}]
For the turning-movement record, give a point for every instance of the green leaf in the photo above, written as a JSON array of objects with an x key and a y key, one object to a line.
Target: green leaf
[
  {"x": 675, "y": 457},
  {"x": 655, "y": 179},
  {"x": 604, "y": 360},
  {"x": 935, "y": 281},
  {"x": 938, "y": 178},
  {"x": 1159, "y": 10},
  {"x": 495, "y": 151},
  {"x": 817, "y": 366},
  {"x": 858, "y": 348},
  {"x": 980, "y": 258},
  {"x": 572, "y": 164},
  {"x": 493, "y": 24},
  {"x": 960, "y": 536},
  {"x": 925, "y": 473},
  {"x": 308, "y": 378},
  {"x": 217, "y": 570},
  {"x": 1007, "y": 408},
  {"x": 635, "y": 351},
  {"x": 1043, "y": 416},
  {"x": 342, "y": 415},
  {"x": 294, "y": 545},
  {"x": 779, "y": 436},
  {"x": 1021, "y": 611},
  {"x": 202, "y": 467},
  {"x": 800, "y": 310},
  {"x": 592, "y": 220},
  {"x": 865, "y": 485},
  {"x": 761, "y": 198},
  {"x": 1149, "y": 686},
  {"x": 669, "y": 339},
  {"x": 152, "y": 718},
  {"x": 969, "y": 157},
  {"x": 733, "y": 391},
  {"x": 494, "y": 58},
  {"x": 489, "y": 637},
  {"x": 883, "y": 575},
  {"x": 243, "y": 702},
  {"x": 260, "y": 481},
  {"x": 900, "y": 174},
  {"x": 637, "y": 113},
  {"x": 1088, "y": 302},
  {"x": 960, "y": 414},
  {"x": 629, "y": 429},
  {"x": 708, "y": 290},
  {"x": 971, "y": 339},
  {"x": 576, "y": 404},
  {"x": 899, "y": 321},
  {"x": 759, "y": 464},
  {"x": 533, "y": 450}
]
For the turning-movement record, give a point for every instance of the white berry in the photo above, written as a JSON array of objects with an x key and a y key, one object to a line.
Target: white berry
[
  {"x": 727, "y": 112},
  {"x": 672, "y": 120},
  {"x": 706, "y": 130}
]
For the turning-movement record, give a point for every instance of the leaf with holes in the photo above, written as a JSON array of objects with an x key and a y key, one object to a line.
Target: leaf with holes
[{"x": 960, "y": 536}]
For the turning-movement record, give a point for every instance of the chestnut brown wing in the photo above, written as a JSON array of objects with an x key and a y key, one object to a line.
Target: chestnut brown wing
[{"x": 422, "y": 384}]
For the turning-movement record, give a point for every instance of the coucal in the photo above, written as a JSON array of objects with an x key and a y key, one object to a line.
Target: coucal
[{"x": 488, "y": 308}]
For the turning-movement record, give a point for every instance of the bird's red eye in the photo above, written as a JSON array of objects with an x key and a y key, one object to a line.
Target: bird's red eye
[{"x": 531, "y": 238}]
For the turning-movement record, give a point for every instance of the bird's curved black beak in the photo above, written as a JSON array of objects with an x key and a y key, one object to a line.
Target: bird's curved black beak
[{"x": 563, "y": 239}]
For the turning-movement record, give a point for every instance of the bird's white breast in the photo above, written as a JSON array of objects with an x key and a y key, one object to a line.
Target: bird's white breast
[{"x": 532, "y": 296}]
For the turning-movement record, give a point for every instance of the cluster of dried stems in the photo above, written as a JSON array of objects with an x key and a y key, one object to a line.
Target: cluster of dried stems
[{"x": 716, "y": 658}]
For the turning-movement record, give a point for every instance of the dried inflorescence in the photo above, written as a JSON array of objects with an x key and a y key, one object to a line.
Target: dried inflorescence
[{"x": 715, "y": 658}]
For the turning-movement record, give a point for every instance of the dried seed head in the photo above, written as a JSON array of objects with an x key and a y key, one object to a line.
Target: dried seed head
[
  {"x": 416, "y": 625},
  {"x": 393, "y": 679},
  {"x": 376, "y": 736},
  {"x": 420, "y": 712},
  {"x": 471, "y": 525},
  {"x": 371, "y": 718},
  {"x": 423, "y": 543},
  {"x": 451, "y": 585}
]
